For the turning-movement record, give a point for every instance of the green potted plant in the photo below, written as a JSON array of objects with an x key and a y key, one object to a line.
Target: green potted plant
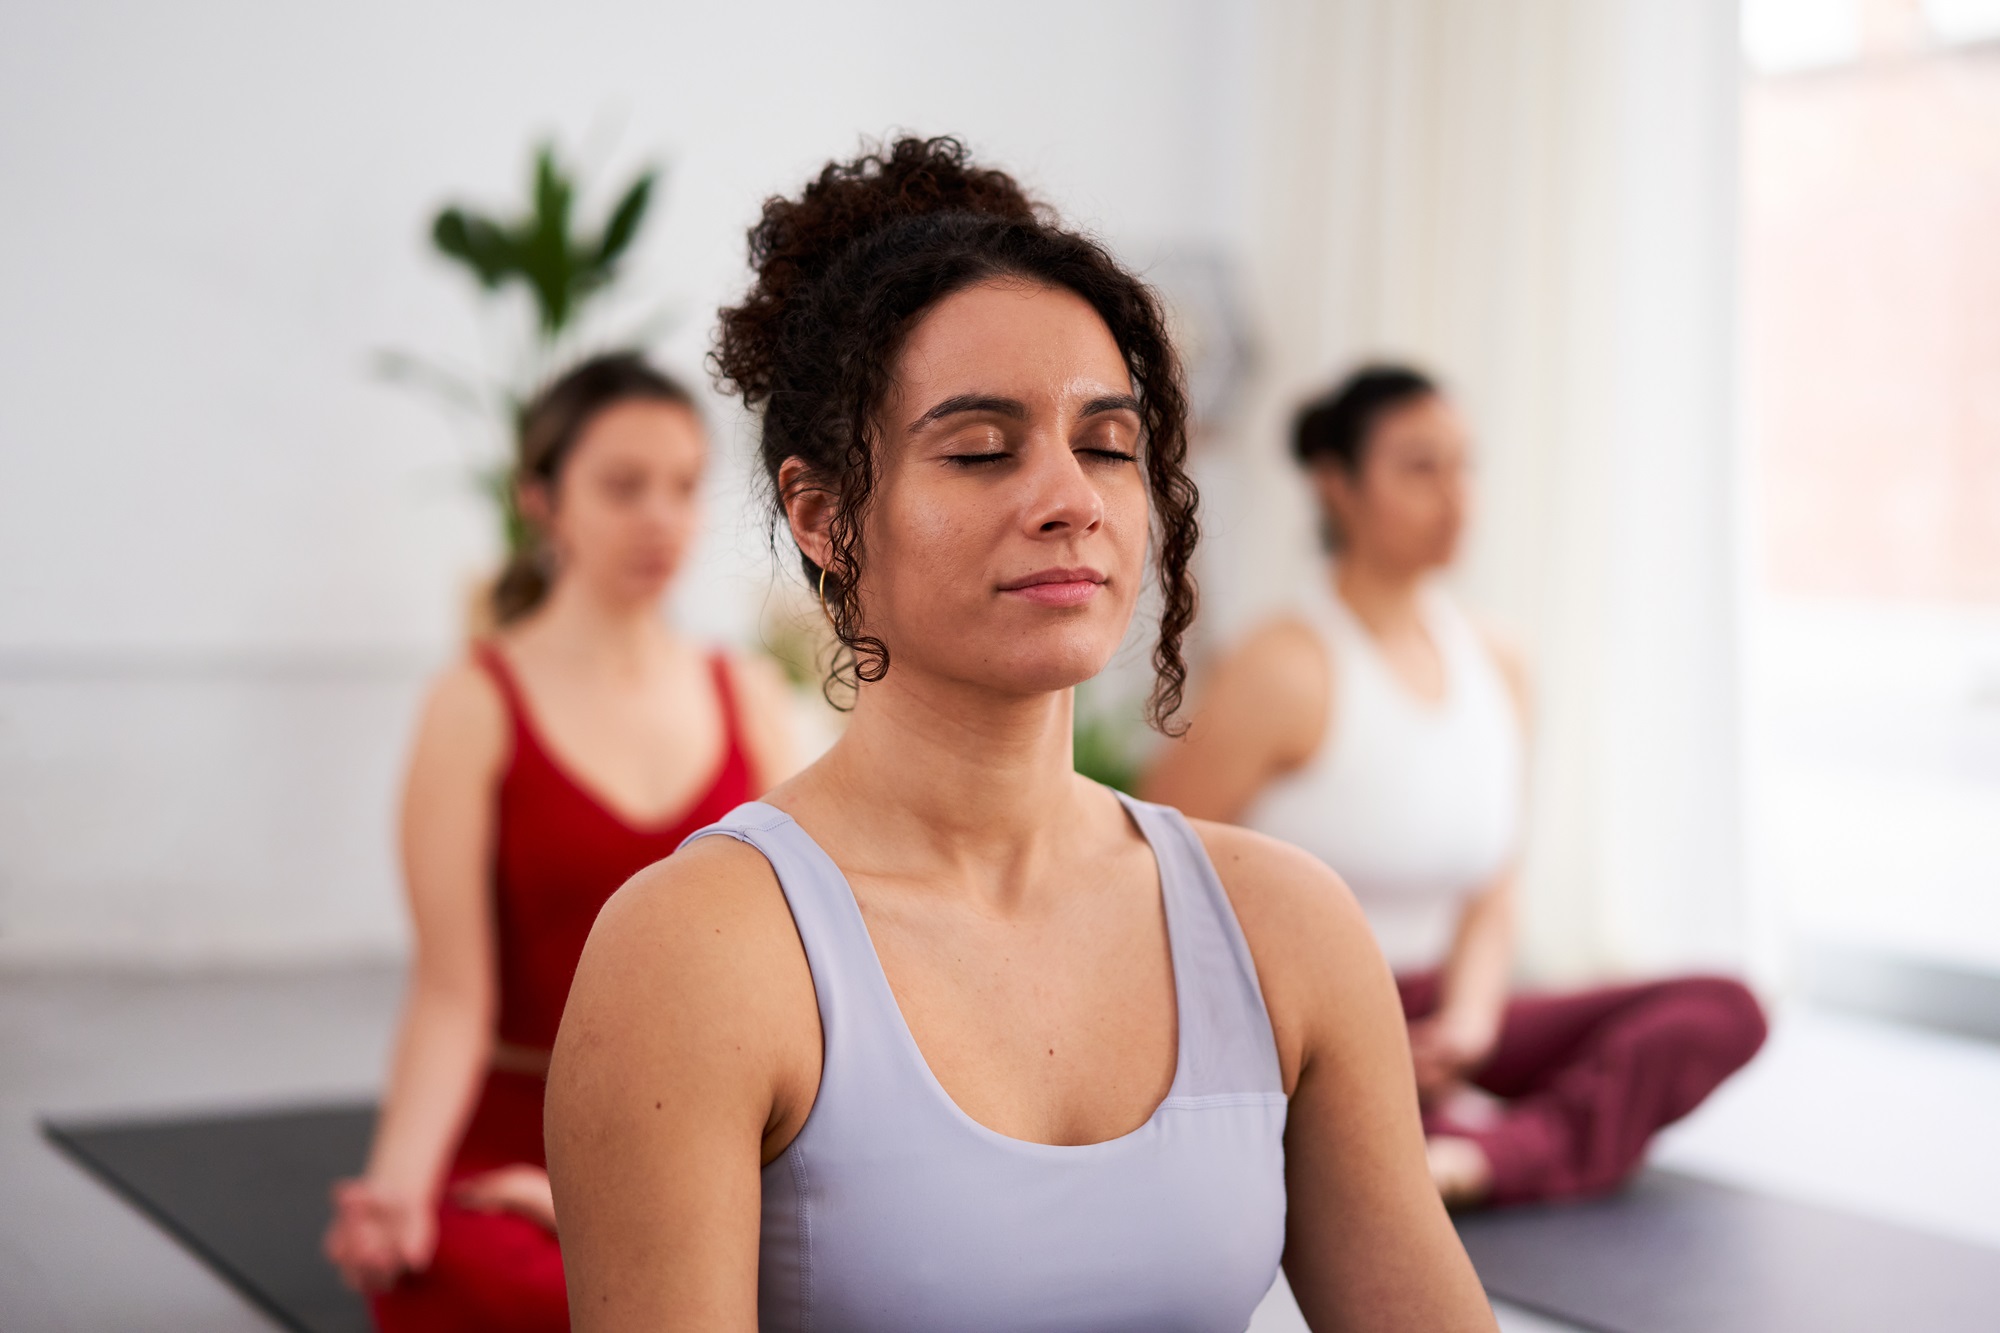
[{"x": 565, "y": 270}]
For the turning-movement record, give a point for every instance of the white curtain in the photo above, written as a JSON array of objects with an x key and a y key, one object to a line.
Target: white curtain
[{"x": 1537, "y": 199}]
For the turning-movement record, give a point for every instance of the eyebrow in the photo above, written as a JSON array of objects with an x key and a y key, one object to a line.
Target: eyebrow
[
  {"x": 1013, "y": 408},
  {"x": 1115, "y": 402},
  {"x": 958, "y": 404}
]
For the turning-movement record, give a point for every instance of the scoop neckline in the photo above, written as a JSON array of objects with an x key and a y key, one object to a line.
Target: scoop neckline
[
  {"x": 1372, "y": 646},
  {"x": 663, "y": 825},
  {"x": 906, "y": 1039}
]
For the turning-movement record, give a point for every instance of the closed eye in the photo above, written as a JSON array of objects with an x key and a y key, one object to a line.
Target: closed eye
[
  {"x": 974, "y": 460},
  {"x": 1111, "y": 455}
]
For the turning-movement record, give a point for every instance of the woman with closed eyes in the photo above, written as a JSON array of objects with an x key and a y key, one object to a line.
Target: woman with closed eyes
[{"x": 941, "y": 1035}]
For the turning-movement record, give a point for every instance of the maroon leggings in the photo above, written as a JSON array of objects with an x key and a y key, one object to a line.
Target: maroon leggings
[{"x": 1589, "y": 1077}]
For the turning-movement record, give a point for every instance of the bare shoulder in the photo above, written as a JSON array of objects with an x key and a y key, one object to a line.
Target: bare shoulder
[
  {"x": 710, "y": 910},
  {"x": 1281, "y": 891},
  {"x": 766, "y": 695},
  {"x": 465, "y": 695},
  {"x": 757, "y": 675},
  {"x": 1275, "y": 683},
  {"x": 693, "y": 984},
  {"x": 1260, "y": 713},
  {"x": 463, "y": 723},
  {"x": 1285, "y": 654},
  {"x": 1308, "y": 938},
  {"x": 766, "y": 712}
]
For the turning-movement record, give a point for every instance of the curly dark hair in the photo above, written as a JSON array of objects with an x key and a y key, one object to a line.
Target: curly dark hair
[{"x": 843, "y": 273}]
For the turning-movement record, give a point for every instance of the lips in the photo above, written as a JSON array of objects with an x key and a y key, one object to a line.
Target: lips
[{"x": 1057, "y": 587}]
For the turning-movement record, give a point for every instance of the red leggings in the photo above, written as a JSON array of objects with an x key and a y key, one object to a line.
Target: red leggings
[
  {"x": 493, "y": 1272},
  {"x": 1590, "y": 1077}
]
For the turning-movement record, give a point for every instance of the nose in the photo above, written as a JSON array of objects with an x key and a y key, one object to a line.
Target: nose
[
  {"x": 1062, "y": 499},
  {"x": 658, "y": 520}
]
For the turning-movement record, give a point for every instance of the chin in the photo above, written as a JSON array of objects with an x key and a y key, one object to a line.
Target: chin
[
  {"x": 638, "y": 593},
  {"x": 1056, "y": 663},
  {"x": 1439, "y": 554},
  {"x": 1014, "y": 665}
]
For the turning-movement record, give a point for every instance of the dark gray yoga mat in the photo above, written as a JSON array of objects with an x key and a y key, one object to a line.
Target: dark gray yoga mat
[
  {"x": 1673, "y": 1254},
  {"x": 246, "y": 1193}
]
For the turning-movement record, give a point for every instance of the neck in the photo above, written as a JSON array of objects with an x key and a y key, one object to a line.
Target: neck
[
  {"x": 1384, "y": 598},
  {"x": 970, "y": 778},
  {"x": 617, "y": 636}
]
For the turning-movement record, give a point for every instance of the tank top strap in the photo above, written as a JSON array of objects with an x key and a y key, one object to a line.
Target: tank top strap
[
  {"x": 736, "y": 748},
  {"x": 1227, "y": 1047},
  {"x": 859, "y": 1020},
  {"x": 1458, "y": 640},
  {"x": 1368, "y": 682},
  {"x": 1322, "y": 608},
  {"x": 493, "y": 662}
]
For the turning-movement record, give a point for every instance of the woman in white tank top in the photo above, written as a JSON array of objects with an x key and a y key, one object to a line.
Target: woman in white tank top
[
  {"x": 1375, "y": 727},
  {"x": 1417, "y": 799}
]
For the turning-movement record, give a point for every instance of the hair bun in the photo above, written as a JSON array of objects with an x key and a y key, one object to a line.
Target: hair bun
[
  {"x": 795, "y": 241},
  {"x": 843, "y": 274}
]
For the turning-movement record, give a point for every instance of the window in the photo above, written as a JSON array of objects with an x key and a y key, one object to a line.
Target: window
[{"x": 1871, "y": 278}]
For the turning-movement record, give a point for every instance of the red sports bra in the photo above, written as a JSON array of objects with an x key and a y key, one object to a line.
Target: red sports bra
[{"x": 560, "y": 853}]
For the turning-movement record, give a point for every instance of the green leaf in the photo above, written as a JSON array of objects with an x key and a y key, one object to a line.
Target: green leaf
[
  {"x": 553, "y": 190},
  {"x": 482, "y": 246},
  {"x": 561, "y": 270},
  {"x": 548, "y": 258},
  {"x": 625, "y": 220}
]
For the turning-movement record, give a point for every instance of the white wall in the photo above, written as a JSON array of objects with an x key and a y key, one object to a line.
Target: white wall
[
  {"x": 228, "y": 556},
  {"x": 1537, "y": 199}
]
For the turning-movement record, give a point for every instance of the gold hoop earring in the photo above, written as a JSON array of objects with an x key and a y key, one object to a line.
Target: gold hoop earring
[{"x": 822, "y": 593}]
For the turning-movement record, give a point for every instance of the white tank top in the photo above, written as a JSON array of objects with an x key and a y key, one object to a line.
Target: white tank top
[{"x": 1415, "y": 804}]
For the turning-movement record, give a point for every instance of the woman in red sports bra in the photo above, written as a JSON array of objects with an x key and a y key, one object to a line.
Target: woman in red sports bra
[{"x": 576, "y": 746}]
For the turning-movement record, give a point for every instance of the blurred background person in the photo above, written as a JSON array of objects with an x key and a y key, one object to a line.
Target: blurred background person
[
  {"x": 1377, "y": 727},
  {"x": 577, "y": 744}
]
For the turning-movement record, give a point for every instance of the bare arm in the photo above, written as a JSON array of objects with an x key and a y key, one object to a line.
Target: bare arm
[
  {"x": 1473, "y": 988},
  {"x": 1368, "y": 1244},
  {"x": 1472, "y": 997},
  {"x": 1263, "y": 714},
  {"x": 688, "y": 1057},
  {"x": 384, "y": 1222}
]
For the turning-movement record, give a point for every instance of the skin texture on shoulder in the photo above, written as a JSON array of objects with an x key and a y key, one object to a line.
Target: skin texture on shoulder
[
  {"x": 1353, "y": 1140},
  {"x": 463, "y": 723},
  {"x": 689, "y": 1055},
  {"x": 1264, "y": 712}
]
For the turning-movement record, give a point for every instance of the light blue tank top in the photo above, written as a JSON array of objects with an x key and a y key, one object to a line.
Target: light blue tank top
[{"x": 893, "y": 1211}]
